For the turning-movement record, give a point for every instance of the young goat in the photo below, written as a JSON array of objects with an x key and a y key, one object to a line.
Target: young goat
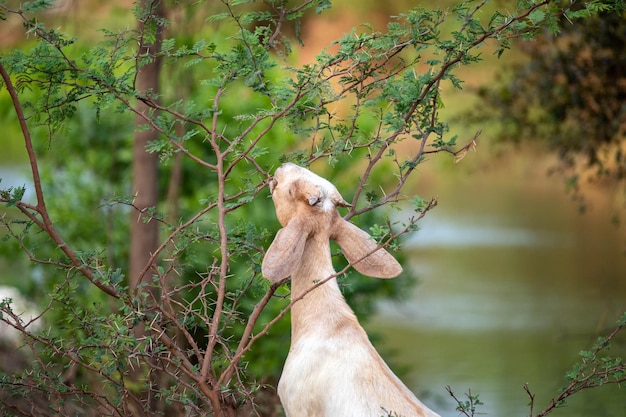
[{"x": 332, "y": 369}]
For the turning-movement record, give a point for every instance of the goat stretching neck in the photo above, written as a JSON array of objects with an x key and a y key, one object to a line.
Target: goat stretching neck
[{"x": 332, "y": 369}]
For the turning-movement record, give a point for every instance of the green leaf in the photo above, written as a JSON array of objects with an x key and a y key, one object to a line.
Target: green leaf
[
  {"x": 37, "y": 5},
  {"x": 419, "y": 203},
  {"x": 536, "y": 16},
  {"x": 168, "y": 45},
  {"x": 322, "y": 5},
  {"x": 218, "y": 17}
]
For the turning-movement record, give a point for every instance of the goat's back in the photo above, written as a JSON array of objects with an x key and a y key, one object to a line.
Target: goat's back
[{"x": 343, "y": 376}]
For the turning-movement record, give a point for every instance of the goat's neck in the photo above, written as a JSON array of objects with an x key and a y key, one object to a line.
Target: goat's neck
[{"x": 321, "y": 308}]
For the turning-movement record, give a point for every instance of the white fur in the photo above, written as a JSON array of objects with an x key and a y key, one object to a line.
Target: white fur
[{"x": 332, "y": 369}]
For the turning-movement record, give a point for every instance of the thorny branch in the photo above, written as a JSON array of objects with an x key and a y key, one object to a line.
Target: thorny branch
[
  {"x": 592, "y": 373},
  {"x": 467, "y": 408},
  {"x": 453, "y": 58},
  {"x": 44, "y": 220}
]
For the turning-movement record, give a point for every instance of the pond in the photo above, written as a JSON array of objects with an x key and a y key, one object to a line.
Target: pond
[{"x": 512, "y": 283}]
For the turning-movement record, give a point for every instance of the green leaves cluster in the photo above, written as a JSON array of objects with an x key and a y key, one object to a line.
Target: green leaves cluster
[{"x": 596, "y": 368}]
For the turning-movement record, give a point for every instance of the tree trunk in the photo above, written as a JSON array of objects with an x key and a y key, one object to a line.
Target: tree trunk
[
  {"x": 144, "y": 234},
  {"x": 144, "y": 229}
]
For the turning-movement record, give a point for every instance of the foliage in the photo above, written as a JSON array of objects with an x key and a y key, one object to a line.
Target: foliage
[
  {"x": 233, "y": 109},
  {"x": 596, "y": 368},
  {"x": 562, "y": 95},
  {"x": 468, "y": 407}
]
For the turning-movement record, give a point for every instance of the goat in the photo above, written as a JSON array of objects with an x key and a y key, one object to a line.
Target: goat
[{"x": 332, "y": 369}]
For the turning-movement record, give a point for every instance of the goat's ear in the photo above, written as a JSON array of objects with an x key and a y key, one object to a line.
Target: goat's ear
[
  {"x": 285, "y": 252},
  {"x": 356, "y": 244}
]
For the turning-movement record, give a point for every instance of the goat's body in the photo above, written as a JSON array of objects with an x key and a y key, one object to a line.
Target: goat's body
[{"x": 332, "y": 369}]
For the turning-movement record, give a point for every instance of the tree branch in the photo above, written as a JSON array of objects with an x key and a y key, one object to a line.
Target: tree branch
[{"x": 46, "y": 222}]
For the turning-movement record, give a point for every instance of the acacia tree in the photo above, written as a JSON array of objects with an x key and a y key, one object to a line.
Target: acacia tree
[{"x": 250, "y": 112}]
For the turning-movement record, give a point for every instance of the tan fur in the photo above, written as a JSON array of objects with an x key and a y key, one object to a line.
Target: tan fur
[{"x": 332, "y": 369}]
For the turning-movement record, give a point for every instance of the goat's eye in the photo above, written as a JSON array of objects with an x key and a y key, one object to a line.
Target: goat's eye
[{"x": 315, "y": 200}]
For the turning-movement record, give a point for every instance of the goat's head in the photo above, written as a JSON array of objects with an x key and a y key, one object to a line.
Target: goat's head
[
  {"x": 306, "y": 205},
  {"x": 296, "y": 190}
]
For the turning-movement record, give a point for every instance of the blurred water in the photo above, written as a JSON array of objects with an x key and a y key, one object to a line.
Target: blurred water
[
  {"x": 513, "y": 283},
  {"x": 13, "y": 176}
]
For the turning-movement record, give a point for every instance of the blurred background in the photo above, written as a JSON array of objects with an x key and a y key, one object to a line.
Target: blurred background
[{"x": 523, "y": 262}]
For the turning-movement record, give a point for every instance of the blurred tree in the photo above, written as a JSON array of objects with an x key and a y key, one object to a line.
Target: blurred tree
[
  {"x": 570, "y": 93},
  {"x": 144, "y": 235},
  {"x": 144, "y": 230}
]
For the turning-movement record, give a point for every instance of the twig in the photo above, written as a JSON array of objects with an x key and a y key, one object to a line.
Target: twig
[
  {"x": 532, "y": 399},
  {"x": 46, "y": 222}
]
